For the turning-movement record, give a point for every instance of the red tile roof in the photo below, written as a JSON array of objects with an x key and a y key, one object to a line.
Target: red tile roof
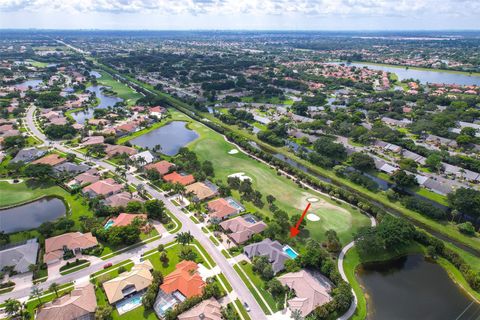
[
  {"x": 51, "y": 159},
  {"x": 184, "y": 279},
  {"x": 220, "y": 208},
  {"x": 125, "y": 219},
  {"x": 104, "y": 187},
  {"x": 175, "y": 177}
]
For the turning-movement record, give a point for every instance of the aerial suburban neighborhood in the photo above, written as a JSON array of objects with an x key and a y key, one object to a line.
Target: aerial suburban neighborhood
[{"x": 238, "y": 175}]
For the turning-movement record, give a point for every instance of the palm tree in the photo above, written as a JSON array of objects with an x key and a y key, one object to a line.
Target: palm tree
[
  {"x": 32, "y": 267},
  {"x": 12, "y": 307},
  {"x": 296, "y": 314},
  {"x": 54, "y": 287},
  {"x": 184, "y": 238},
  {"x": 180, "y": 189},
  {"x": 36, "y": 292}
]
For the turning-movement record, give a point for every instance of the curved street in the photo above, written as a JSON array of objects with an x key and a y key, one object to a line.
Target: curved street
[{"x": 226, "y": 268}]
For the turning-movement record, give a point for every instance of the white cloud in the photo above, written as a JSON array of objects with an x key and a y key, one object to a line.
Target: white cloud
[{"x": 255, "y": 7}]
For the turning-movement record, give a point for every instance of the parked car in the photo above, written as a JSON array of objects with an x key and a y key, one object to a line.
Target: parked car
[
  {"x": 246, "y": 306},
  {"x": 108, "y": 265}
]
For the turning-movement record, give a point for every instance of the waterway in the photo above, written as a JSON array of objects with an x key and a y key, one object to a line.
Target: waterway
[
  {"x": 31, "y": 215},
  {"x": 430, "y": 76},
  {"x": 105, "y": 102},
  {"x": 413, "y": 287}
]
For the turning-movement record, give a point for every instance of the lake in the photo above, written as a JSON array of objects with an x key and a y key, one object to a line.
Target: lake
[
  {"x": 105, "y": 102},
  {"x": 28, "y": 83},
  {"x": 413, "y": 288},
  {"x": 170, "y": 137},
  {"x": 431, "y": 76},
  {"x": 31, "y": 215}
]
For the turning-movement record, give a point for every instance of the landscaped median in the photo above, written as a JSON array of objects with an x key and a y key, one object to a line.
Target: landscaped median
[
  {"x": 113, "y": 270},
  {"x": 256, "y": 287},
  {"x": 74, "y": 266}
]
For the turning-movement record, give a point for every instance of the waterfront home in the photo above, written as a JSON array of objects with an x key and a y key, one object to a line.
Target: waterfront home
[
  {"x": 222, "y": 208},
  {"x": 242, "y": 228},
  {"x": 80, "y": 304},
  {"x": 310, "y": 293},
  {"x": 271, "y": 249},
  {"x": 125, "y": 219},
  {"x": 137, "y": 280},
  {"x": 104, "y": 188},
  {"x": 19, "y": 255},
  {"x": 55, "y": 247},
  {"x": 157, "y": 111},
  {"x": 112, "y": 150},
  {"x": 202, "y": 190},
  {"x": 209, "y": 309},
  {"x": 143, "y": 158},
  {"x": 162, "y": 167},
  {"x": 175, "y": 177}
]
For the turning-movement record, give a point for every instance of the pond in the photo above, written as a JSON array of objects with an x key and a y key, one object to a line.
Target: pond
[
  {"x": 28, "y": 83},
  {"x": 431, "y": 76},
  {"x": 105, "y": 102},
  {"x": 170, "y": 137},
  {"x": 31, "y": 215},
  {"x": 413, "y": 288}
]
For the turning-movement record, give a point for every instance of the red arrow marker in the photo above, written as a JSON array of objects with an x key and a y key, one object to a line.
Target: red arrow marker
[{"x": 294, "y": 230}]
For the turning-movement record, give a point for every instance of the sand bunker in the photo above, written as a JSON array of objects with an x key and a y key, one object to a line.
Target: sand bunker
[
  {"x": 312, "y": 200},
  {"x": 240, "y": 175},
  {"x": 313, "y": 217},
  {"x": 233, "y": 151}
]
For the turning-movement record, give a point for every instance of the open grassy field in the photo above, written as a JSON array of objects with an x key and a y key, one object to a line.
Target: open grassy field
[
  {"x": 342, "y": 218},
  {"x": 122, "y": 90}
]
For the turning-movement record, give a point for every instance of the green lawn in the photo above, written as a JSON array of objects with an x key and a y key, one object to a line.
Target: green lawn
[
  {"x": 225, "y": 281},
  {"x": 342, "y": 218},
  {"x": 242, "y": 309},
  {"x": 74, "y": 267},
  {"x": 113, "y": 270}
]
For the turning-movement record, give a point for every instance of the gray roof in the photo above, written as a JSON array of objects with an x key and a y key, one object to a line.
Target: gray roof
[
  {"x": 19, "y": 255},
  {"x": 28, "y": 155},
  {"x": 438, "y": 187},
  {"x": 71, "y": 168},
  {"x": 272, "y": 249}
]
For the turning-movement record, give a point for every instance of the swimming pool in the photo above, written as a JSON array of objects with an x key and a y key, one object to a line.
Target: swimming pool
[
  {"x": 108, "y": 224},
  {"x": 129, "y": 303},
  {"x": 290, "y": 252}
]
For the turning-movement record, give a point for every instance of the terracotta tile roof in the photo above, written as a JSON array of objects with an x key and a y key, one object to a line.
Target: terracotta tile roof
[
  {"x": 202, "y": 190},
  {"x": 220, "y": 208},
  {"x": 175, "y": 177},
  {"x": 208, "y": 309},
  {"x": 72, "y": 240},
  {"x": 161, "y": 167},
  {"x": 157, "y": 109},
  {"x": 137, "y": 279},
  {"x": 310, "y": 293},
  {"x": 52, "y": 159},
  {"x": 79, "y": 304},
  {"x": 89, "y": 176},
  {"x": 184, "y": 279},
  {"x": 125, "y": 219},
  {"x": 103, "y": 187},
  {"x": 88, "y": 141},
  {"x": 241, "y": 229},
  {"x": 113, "y": 149}
]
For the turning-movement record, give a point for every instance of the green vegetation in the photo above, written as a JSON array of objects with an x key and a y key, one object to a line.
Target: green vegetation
[
  {"x": 251, "y": 288},
  {"x": 242, "y": 309},
  {"x": 122, "y": 90},
  {"x": 225, "y": 282},
  {"x": 74, "y": 266}
]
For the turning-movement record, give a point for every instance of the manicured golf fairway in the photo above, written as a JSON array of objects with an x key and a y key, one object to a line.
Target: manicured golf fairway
[{"x": 212, "y": 146}]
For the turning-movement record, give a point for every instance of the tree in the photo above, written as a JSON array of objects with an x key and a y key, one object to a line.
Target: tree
[
  {"x": 404, "y": 180},
  {"x": 134, "y": 207},
  {"x": 54, "y": 287},
  {"x": 155, "y": 209},
  {"x": 14, "y": 142},
  {"x": 37, "y": 292},
  {"x": 275, "y": 287},
  {"x": 362, "y": 161},
  {"x": 297, "y": 314},
  {"x": 434, "y": 162},
  {"x": 187, "y": 253},
  {"x": 39, "y": 171},
  {"x": 184, "y": 238},
  {"x": 16, "y": 309},
  {"x": 164, "y": 258},
  {"x": 465, "y": 200},
  {"x": 333, "y": 243},
  {"x": 466, "y": 228},
  {"x": 103, "y": 312},
  {"x": 4, "y": 238},
  {"x": 270, "y": 199}
]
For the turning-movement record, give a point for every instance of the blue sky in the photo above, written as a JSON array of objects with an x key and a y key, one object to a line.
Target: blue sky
[{"x": 241, "y": 14}]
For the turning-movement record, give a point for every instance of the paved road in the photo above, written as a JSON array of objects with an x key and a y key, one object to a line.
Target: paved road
[{"x": 238, "y": 285}]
